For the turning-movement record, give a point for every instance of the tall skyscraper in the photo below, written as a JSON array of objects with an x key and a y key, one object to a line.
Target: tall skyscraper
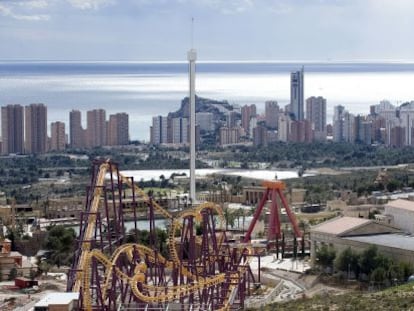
[
  {"x": 348, "y": 127},
  {"x": 192, "y": 57},
  {"x": 12, "y": 133},
  {"x": 231, "y": 119},
  {"x": 96, "y": 128},
  {"x": 118, "y": 129},
  {"x": 247, "y": 112},
  {"x": 271, "y": 114},
  {"x": 338, "y": 123},
  {"x": 76, "y": 131},
  {"x": 297, "y": 95},
  {"x": 58, "y": 136},
  {"x": 159, "y": 130},
  {"x": 260, "y": 136},
  {"x": 36, "y": 128},
  {"x": 283, "y": 131},
  {"x": 316, "y": 114},
  {"x": 179, "y": 131}
]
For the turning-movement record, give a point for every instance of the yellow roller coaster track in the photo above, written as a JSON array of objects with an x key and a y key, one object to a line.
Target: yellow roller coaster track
[{"x": 154, "y": 294}]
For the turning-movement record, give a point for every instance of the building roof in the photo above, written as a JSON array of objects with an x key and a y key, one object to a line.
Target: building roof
[
  {"x": 398, "y": 241},
  {"x": 340, "y": 225},
  {"x": 402, "y": 204},
  {"x": 57, "y": 299}
]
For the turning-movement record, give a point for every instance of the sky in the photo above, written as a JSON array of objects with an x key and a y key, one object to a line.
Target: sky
[{"x": 160, "y": 30}]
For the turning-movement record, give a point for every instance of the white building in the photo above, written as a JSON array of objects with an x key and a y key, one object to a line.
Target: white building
[
  {"x": 180, "y": 131},
  {"x": 58, "y": 302},
  {"x": 316, "y": 114},
  {"x": 159, "y": 130},
  {"x": 284, "y": 126},
  {"x": 402, "y": 211}
]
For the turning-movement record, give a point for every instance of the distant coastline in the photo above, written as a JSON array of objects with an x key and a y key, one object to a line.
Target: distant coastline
[{"x": 145, "y": 89}]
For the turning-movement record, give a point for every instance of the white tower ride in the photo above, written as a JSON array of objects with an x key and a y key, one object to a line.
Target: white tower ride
[{"x": 192, "y": 56}]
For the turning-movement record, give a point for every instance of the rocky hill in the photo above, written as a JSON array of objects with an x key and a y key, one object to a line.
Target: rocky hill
[{"x": 219, "y": 109}]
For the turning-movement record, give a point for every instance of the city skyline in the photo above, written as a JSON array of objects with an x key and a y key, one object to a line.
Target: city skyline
[
  {"x": 160, "y": 30},
  {"x": 27, "y": 130}
]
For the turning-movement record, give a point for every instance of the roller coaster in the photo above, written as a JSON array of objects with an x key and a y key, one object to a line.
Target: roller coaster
[{"x": 202, "y": 271}]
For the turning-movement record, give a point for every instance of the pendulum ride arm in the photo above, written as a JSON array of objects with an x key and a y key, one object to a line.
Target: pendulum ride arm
[
  {"x": 290, "y": 214},
  {"x": 256, "y": 216}
]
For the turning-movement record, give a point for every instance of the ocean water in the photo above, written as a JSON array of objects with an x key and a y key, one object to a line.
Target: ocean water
[
  {"x": 144, "y": 90},
  {"x": 147, "y": 175}
]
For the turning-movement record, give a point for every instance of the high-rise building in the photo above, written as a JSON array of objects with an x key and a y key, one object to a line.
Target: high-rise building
[
  {"x": 348, "y": 127},
  {"x": 378, "y": 127},
  {"x": 159, "y": 130},
  {"x": 260, "y": 136},
  {"x": 338, "y": 123},
  {"x": 362, "y": 130},
  {"x": 297, "y": 95},
  {"x": 271, "y": 114},
  {"x": 316, "y": 114},
  {"x": 301, "y": 131},
  {"x": 180, "y": 127},
  {"x": 118, "y": 129},
  {"x": 58, "y": 136},
  {"x": 96, "y": 128},
  {"x": 407, "y": 121},
  {"x": 397, "y": 137},
  {"x": 252, "y": 125},
  {"x": 247, "y": 112},
  {"x": 36, "y": 128},
  {"x": 76, "y": 132},
  {"x": 229, "y": 136},
  {"x": 12, "y": 123},
  {"x": 283, "y": 127},
  {"x": 205, "y": 121},
  {"x": 232, "y": 118}
]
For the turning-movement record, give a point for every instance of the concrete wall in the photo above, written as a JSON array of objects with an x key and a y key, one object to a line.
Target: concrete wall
[
  {"x": 340, "y": 244},
  {"x": 403, "y": 218}
]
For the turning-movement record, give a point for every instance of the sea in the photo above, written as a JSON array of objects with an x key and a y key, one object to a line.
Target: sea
[{"x": 147, "y": 89}]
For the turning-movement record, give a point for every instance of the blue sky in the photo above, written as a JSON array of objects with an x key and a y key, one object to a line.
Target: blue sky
[{"x": 224, "y": 29}]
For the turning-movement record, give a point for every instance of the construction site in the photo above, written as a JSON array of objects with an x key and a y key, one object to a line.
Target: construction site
[{"x": 206, "y": 267}]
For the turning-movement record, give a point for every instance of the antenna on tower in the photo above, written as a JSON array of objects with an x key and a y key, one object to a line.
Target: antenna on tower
[{"x": 192, "y": 32}]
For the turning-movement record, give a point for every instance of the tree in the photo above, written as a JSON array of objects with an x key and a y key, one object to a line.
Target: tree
[
  {"x": 378, "y": 276},
  {"x": 60, "y": 241},
  {"x": 395, "y": 274},
  {"x": 325, "y": 256},
  {"x": 12, "y": 274},
  {"x": 368, "y": 260},
  {"x": 348, "y": 261},
  {"x": 44, "y": 267}
]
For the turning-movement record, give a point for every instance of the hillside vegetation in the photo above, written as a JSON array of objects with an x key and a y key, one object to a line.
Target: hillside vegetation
[{"x": 396, "y": 298}]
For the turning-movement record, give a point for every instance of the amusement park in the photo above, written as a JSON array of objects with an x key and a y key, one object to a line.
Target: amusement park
[{"x": 205, "y": 267}]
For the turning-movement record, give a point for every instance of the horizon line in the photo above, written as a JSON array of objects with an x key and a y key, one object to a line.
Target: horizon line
[{"x": 211, "y": 61}]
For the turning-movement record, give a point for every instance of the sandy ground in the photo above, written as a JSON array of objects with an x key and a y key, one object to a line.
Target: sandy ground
[{"x": 24, "y": 301}]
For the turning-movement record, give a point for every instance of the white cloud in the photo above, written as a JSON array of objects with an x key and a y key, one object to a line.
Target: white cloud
[
  {"x": 34, "y": 4},
  {"x": 9, "y": 12},
  {"x": 228, "y": 6},
  {"x": 90, "y": 4}
]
